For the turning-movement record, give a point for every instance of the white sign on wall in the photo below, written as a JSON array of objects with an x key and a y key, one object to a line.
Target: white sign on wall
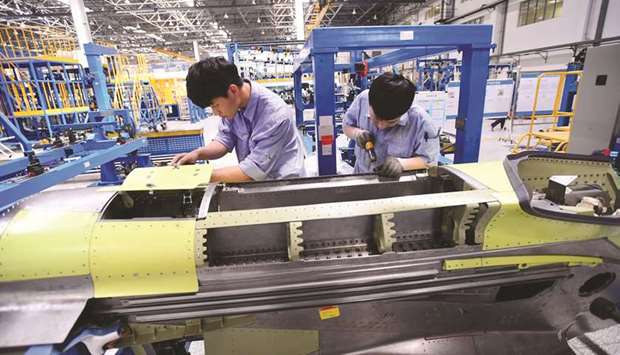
[
  {"x": 527, "y": 90},
  {"x": 434, "y": 102},
  {"x": 496, "y": 101}
]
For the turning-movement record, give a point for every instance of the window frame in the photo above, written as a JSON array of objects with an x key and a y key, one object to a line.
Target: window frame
[{"x": 535, "y": 11}]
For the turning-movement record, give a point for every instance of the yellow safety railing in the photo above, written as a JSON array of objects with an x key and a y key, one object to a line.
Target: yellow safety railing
[
  {"x": 169, "y": 91},
  {"x": 317, "y": 13},
  {"x": 62, "y": 94},
  {"x": 556, "y": 137},
  {"x": 128, "y": 73},
  {"x": 57, "y": 89},
  {"x": 29, "y": 41}
]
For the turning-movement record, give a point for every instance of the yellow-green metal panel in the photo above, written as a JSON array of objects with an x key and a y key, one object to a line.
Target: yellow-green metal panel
[
  {"x": 522, "y": 261},
  {"x": 130, "y": 258},
  {"x": 165, "y": 134},
  {"x": 346, "y": 209},
  {"x": 260, "y": 341},
  {"x": 491, "y": 174},
  {"x": 41, "y": 244},
  {"x": 184, "y": 177},
  {"x": 512, "y": 227}
]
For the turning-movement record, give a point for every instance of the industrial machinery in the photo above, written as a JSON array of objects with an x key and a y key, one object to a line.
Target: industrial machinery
[{"x": 482, "y": 258}]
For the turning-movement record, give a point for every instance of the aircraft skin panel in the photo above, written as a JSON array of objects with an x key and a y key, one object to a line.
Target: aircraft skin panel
[
  {"x": 342, "y": 209},
  {"x": 532, "y": 230},
  {"x": 44, "y": 244},
  {"x": 41, "y": 311},
  {"x": 492, "y": 174},
  {"x": 143, "y": 257},
  {"x": 185, "y": 177}
]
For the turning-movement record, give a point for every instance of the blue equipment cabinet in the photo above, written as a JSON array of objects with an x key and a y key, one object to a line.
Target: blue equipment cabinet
[{"x": 410, "y": 42}]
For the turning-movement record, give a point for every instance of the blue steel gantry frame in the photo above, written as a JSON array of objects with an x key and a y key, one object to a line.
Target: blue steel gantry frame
[{"x": 410, "y": 42}]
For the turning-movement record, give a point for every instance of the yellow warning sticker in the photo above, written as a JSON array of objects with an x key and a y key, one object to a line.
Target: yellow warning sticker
[{"x": 329, "y": 312}]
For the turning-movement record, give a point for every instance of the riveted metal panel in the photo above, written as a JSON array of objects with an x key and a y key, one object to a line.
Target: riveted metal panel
[
  {"x": 41, "y": 311},
  {"x": 184, "y": 177},
  {"x": 512, "y": 227},
  {"x": 342, "y": 209},
  {"x": 130, "y": 258},
  {"x": 43, "y": 244}
]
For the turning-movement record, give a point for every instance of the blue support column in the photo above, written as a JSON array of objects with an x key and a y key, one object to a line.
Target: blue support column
[
  {"x": 299, "y": 102},
  {"x": 356, "y": 56},
  {"x": 474, "y": 74},
  {"x": 93, "y": 54},
  {"x": 12, "y": 130},
  {"x": 325, "y": 123},
  {"x": 231, "y": 48},
  {"x": 109, "y": 175}
]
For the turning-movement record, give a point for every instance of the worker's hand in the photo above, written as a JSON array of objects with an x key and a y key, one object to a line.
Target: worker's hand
[
  {"x": 390, "y": 168},
  {"x": 362, "y": 137},
  {"x": 184, "y": 159}
]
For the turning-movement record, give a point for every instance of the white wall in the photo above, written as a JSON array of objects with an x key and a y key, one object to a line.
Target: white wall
[
  {"x": 577, "y": 22},
  {"x": 612, "y": 25},
  {"x": 569, "y": 27},
  {"x": 462, "y": 7}
]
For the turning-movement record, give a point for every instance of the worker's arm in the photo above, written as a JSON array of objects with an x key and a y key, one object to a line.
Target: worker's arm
[
  {"x": 229, "y": 174},
  {"x": 270, "y": 137},
  {"x": 427, "y": 143},
  {"x": 393, "y": 167},
  {"x": 426, "y": 150},
  {"x": 223, "y": 143},
  {"x": 350, "y": 131},
  {"x": 350, "y": 124},
  {"x": 414, "y": 163},
  {"x": 350, "y": 121},
  {"x": 213, "y": 150}
]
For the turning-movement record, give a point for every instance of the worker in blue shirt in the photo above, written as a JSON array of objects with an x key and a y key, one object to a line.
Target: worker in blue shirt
[
  {"x": 403, "y": 135},
  {"x": 255, "y": 122}
]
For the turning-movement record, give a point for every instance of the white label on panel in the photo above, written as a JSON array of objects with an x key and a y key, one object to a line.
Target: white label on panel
[
  {"x": 326, "y": 149},
  {"x": 406, "y": 35},
  {"x": 326, "y": 131},
  {"x": 325, "y": 121}
]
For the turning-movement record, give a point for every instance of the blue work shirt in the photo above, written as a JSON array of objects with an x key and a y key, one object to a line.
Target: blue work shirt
[
  {"x": 264, "y": 137},
  {"x": 414, "y": 136}
]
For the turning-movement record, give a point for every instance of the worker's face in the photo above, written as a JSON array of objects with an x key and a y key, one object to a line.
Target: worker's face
[
  {"x": 381, "y": 123},
  {"x": 226, "y": 107}
]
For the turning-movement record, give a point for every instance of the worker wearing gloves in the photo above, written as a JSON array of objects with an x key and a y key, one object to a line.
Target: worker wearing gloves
[
  {"x": 255, "y": 122},
  {"x": 403, "y": 135}
]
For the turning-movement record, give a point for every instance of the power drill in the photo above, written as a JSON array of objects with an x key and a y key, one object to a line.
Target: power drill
[{"x": 370, "y": 148}]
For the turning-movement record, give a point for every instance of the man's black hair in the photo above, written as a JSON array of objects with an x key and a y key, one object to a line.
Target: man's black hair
[
  {"x": 391, "y": 95},
  {"x": 211, "y": 78}
]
